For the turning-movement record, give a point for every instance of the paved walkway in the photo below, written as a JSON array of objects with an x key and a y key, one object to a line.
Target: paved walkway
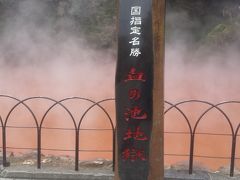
[{"x": 49, "y": 173}]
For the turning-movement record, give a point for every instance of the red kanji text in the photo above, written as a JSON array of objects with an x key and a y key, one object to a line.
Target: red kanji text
[
  {"x": 134, "y": 94},
  {"x": 133, "y": 75},
  {"x": 135, "y": 113},
  {"x": 133, "y": 154},
  {"x": 137, "y": 135}
]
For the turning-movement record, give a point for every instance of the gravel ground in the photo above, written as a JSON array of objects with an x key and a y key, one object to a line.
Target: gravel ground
[{"x": 24, "y": 167}]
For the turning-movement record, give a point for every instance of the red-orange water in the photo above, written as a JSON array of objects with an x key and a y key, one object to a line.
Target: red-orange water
[
  {"x": 95, "y": 80},
  {"x": 50, "y": 61}
]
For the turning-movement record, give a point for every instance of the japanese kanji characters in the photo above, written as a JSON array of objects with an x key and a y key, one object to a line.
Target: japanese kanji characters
[
  {"x": 136, "y": 21},
  {"x": 135, "y": 52},
  {"x": 136, "y": 10},
  {"x": 136, "y": 134},
  {"x": 133, "y": 75},
  {"x": 134, "y": 94},
  {"x": 135, "y": 41},
  {"x": 135, "y": 31},
  {"x": 133, "y": 154},
  {"x": 135, "y": 113}
]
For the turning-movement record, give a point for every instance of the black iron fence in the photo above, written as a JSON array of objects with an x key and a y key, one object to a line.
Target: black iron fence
[{"x": 77, "y": 124}]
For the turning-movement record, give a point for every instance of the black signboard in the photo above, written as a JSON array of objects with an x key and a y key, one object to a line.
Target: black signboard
[{"x": 134, "y": 82}]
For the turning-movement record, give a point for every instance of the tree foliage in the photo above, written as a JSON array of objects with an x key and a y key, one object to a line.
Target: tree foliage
[
  {"x": 210, "y": 21},
  {"x": 215, "y": 22}
]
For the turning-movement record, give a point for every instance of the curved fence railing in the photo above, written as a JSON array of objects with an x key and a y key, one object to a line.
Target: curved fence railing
[
  {"x": 77, "y": 124},
  {"x": 193, "y": 128}
]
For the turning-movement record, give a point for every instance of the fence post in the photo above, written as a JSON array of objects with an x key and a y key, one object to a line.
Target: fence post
[
  {"x": 38, "y": 147},
  {"x": 234, "y": 140},
  {"x": 77, "y": 150},
  {"x": 4, "y": 146},
  {"x": 114, "y": 148},
  {"x": 191, "y": 154}
]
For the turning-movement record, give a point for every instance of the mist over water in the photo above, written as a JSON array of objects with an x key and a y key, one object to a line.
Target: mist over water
[
  {"x": 41, "y": 55},
  {"x": 213, "y": 77},
  {"x": 44, "y": 55},
  {"x": 204, "y": 68},
  {"x": 207, "y": 69}
]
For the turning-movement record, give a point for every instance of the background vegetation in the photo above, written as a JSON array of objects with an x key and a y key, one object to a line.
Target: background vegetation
[{"x": 215, "y": 22}]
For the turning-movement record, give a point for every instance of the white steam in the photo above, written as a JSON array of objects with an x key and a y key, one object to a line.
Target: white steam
[{"x": 40, "y": 55}]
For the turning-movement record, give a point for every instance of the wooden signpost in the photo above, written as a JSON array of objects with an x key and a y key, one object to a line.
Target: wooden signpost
[{"x": 139, "y": 90}]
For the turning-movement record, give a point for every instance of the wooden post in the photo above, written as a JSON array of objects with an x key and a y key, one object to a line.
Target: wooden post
[
  {"x": 157, "y": 138},
  {"x": 140, "y": 90}
]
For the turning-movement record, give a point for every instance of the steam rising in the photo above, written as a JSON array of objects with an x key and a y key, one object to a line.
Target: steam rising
[
  {"x": 202, "y": 68},
  {"x": 205, "y": 68},
  {"x": 44, "y": 55}
]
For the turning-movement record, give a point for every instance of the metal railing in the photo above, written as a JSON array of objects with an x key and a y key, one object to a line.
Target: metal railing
[{"x": 177, "y": 107}]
